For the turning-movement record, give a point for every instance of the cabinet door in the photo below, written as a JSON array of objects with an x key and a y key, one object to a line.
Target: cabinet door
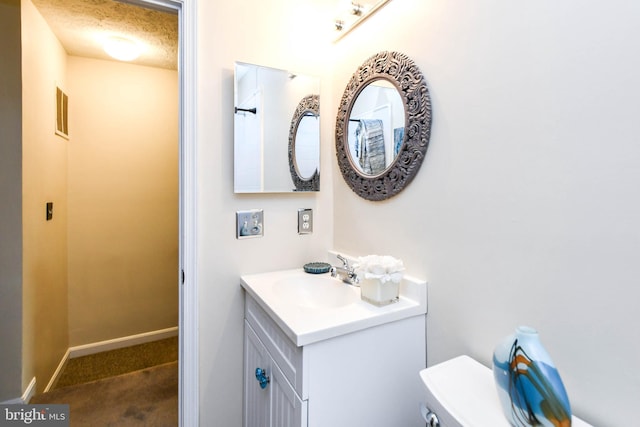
[
  {"x": 287, "y": 410},
  {"x": 275, "y": 405},
  {"x": 256, "y": 405}
]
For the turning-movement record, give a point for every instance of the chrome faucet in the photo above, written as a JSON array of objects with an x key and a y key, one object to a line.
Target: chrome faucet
[{"x": 346, "y": 273}]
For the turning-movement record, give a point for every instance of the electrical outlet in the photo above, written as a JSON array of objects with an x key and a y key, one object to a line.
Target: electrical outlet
[
  {"x": 249, "y": 224},
  {"x": 305, "y": 221}
]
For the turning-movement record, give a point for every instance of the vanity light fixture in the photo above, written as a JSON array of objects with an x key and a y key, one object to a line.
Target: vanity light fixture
[
  {"x": 356, "y": 8},
  {"x": 351, "y": 13},
  {"x": 121, "y": 48}
]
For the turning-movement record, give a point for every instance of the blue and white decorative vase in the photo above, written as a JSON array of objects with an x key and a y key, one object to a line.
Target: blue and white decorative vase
[{"x": 530, "y": 388}]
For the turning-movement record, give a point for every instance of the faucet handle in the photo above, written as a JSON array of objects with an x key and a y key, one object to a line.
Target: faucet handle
[
  {"x": 333, "y": 271},
  {"x": 345, "y": 261}
]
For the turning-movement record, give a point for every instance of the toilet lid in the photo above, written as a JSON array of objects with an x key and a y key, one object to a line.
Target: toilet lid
[{"x": 462, "y": 392}]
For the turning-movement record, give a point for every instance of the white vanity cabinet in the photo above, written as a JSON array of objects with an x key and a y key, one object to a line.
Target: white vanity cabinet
[{"x": 368, "y": 377}]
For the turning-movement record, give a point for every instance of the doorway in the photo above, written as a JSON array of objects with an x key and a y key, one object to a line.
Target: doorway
[
  {"x": 188, "y": 360},
  {"x": 185, "y": 277}
]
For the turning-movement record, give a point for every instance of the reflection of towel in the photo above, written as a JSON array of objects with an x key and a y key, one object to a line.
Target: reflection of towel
[
  {"x": 370, "y": 146},
  {"x": 398, "y": 139}
]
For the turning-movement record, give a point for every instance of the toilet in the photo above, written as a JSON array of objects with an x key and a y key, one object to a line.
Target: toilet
[{"x": 461, "y": 393}]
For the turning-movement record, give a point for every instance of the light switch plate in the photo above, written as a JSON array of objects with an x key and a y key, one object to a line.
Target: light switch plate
[
  {"x": 249, "y": 224},
  {"x": 49, "y": 211},
  {"x": 305, "y": 221}
]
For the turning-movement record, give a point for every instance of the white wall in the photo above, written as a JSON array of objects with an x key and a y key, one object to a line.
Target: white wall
[
  {"x": 282, "y": 34},
  {"x": 526, "y": 208},
  {"x": 524, "y": 211}
]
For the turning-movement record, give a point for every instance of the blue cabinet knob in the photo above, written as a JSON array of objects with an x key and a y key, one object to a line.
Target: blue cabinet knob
[{"x": 262, "y": 378}]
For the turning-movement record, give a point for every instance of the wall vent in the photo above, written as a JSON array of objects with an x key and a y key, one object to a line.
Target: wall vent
[{"x": 62, "y": 110}]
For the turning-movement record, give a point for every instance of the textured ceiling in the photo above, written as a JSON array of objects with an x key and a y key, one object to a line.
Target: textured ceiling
[{"x": 82, "y": 25}]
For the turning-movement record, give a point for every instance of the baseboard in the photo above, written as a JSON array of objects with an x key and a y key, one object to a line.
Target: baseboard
[
  {"x": 26, "y": 396},
  {"x": 98, "y": 347},
  {"x": 57, "y": 372},
  {"x": 30, "y": 391}
]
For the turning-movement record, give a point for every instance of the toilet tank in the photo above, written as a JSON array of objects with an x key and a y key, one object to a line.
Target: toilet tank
[{"x": 461, "y": 392}]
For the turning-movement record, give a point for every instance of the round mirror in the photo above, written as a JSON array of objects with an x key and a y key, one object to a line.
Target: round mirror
[
  {"x": 383, "y": 126},
  {"x": 304, "y": 149}
]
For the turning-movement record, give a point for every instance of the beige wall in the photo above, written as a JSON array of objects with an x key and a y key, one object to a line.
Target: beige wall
[
  {"x": 123, "y": 200},
  {"x": 44, "y": 179},
  {"x": 11, "y": 196}
]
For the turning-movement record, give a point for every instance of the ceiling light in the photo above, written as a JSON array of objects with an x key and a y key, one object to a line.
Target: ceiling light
[
  {"x": 121, "y": 48},
  {"x": 350, "y": 13}
]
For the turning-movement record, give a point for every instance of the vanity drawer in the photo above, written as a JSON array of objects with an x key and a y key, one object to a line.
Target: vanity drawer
[{"x": 284, "y": 352}]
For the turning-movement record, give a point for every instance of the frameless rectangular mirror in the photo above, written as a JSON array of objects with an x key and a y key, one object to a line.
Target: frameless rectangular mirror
[{"x": 276, "y": 130}]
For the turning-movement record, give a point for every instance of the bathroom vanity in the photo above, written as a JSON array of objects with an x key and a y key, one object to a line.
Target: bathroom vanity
[{"x": 316, "y": 355}]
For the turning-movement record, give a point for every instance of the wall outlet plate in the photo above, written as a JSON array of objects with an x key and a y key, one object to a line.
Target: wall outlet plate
[
  {"x": 249, "y": 224},
  {"x": 305, "y": 221}
]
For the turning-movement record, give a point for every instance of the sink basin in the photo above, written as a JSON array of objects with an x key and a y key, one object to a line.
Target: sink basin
[
  {"x": 316, "y": 291},
  {"x": 314, "y": 307}
]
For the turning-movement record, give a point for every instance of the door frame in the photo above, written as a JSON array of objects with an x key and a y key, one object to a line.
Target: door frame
[{"x": 188, "y": 390}]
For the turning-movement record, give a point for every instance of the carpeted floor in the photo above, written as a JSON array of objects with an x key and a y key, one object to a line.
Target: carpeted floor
[
  {"x": 148, "y": 397},
  {"x": 115, "y": 362},
  {"x": 133, "y": 386}
]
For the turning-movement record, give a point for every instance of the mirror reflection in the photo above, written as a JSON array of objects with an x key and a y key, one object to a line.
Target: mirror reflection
[
  {"x": 304, "y": 151},
  {"x": 376, "y": 127},
  {"x": 307, "y": 151},
  {"x": 266, "y": 104}
]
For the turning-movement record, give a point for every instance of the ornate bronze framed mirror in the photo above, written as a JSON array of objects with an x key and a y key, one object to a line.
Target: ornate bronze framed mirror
[
  {"x": 304, "y": 150},
  {"x": 383, "y": 126}
]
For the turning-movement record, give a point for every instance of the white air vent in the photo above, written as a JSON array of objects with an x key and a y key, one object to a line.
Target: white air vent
[{"x": 62, "y": 110}]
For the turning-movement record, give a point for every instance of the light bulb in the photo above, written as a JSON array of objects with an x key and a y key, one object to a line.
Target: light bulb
[{"x": 121, "y": 48}]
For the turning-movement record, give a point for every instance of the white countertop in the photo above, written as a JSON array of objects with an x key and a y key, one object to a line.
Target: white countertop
[{"x": 306, "y": 325}]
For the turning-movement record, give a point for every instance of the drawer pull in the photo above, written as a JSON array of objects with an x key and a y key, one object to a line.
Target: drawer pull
[{"x": 262, "y": 378}]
